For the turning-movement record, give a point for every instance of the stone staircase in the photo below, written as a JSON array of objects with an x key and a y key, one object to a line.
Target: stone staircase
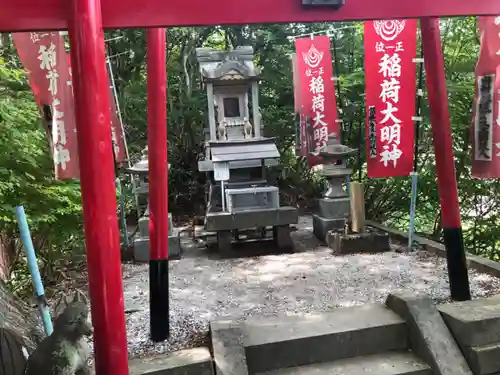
[
  {"x": 409, "y": 335},
  {"x": 368, "y": 339}
]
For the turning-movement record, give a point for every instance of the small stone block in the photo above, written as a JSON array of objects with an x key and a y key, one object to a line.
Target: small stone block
[
  {"x": 484, "y": 360},
  {"x": 475, "y": 322},
  {"x": 353, "y": 243},
  {"x": 174, "y": 245},
  {"x": 141, "y": 249},
  {"x": 282, "y": 236},
  {"x": 228, "y": 349},
  {"x": 170, "y": 225},
  {"x": 195, "y": 361},
  {"x": 144, "y": 226},
  {"x": 224, "y": 241},
  {"x": 334, "y": 208},
  {"x": 321, "y": 226}
]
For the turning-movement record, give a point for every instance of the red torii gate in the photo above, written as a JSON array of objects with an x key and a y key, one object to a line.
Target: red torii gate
[{"x": 85, "y": 20}]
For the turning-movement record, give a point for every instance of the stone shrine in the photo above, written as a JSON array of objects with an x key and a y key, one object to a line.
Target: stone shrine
[
  {"x": 141, "y": 240},
  {"x": 334, "y": 207},
  {"x": 239, "y": 197}
]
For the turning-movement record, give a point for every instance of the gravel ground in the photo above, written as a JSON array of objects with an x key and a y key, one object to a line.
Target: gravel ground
[{"x": 203, "y": 288}]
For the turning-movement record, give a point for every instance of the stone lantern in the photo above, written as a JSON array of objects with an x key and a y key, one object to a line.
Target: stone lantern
[
  {"x": 331, "y": 224},
  {"x": 141, "y": 240},
  {"x": 334, "y": 206}
]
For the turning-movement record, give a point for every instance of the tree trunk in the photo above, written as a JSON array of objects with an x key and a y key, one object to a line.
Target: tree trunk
[{"x": 19, "y": 318}]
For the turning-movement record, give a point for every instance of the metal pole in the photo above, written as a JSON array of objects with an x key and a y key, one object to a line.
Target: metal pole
[
  {"x": 359, "y": 156},
  {"x": 337, "y": 86},
  {"x": 445, "y": 166},
  {"x": 90, "y": 87},
  {"x": 117, "y": 103},
  {"x": 158, "y": 183},
  {"x": 341, "y": 105},
  {"x": 122, "y": 213},
  {"x": 413, "y": 207},
  {"x": 33, "y": 267},
  {"x": 418, "y": 107},
  {"x": 414, "y": 174}
]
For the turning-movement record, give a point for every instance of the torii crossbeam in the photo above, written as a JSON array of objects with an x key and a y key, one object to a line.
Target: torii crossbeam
[
  {"x": 85, "y": 20},
  {"x": 24, "y": 15}
]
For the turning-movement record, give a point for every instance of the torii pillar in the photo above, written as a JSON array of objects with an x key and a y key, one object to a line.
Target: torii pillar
[
  {"x": 97, "y": 179},
  {"x": 158, "y": 183},
  {"x": 445, "y": 165}
]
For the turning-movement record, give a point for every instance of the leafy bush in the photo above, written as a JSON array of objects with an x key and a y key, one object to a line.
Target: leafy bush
[{"x": 53, "y": 208}]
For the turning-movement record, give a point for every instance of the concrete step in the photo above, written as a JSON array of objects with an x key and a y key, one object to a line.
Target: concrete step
[
  {"x": 485, "y": 359},
  {"x": 195, "y": 361},
  {"x": 392, "y": 363},
  {"x": 276, "y": 343},
  {"x": 473, "y": 323}
]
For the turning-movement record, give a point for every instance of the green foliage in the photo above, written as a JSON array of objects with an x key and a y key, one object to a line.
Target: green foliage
[{"x": 26, "y": 178}]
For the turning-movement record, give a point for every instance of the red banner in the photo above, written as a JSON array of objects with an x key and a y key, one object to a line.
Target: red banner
[
  {"x": 317, "y": 93},
  {"x": 486, "y": 112},
  {"x": 43, "y": 55},
  {"x": 390, "y": 70}
]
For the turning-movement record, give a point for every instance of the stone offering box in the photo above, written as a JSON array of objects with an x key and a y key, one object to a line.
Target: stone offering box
[
  {"x": 239, "y": 200},
  {"x": 371, "y": 241}
]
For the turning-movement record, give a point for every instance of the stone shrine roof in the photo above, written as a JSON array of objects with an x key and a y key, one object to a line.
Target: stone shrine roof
[
  {"x": 142, "y": 166},
  {"x": 235, "y": 65},
  {"x": 337, "y": 151},
  {"x": 263, "y": 148}
]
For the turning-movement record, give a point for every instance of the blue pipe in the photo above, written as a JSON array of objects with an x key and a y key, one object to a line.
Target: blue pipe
[
  {"x": 33, "y": 267},
  {"x": 413, "y": 203}
]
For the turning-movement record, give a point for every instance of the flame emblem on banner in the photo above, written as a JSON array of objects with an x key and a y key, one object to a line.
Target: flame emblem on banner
[
  {"x": 389, "y": 30},
  {"x": 313, "y": 57}
]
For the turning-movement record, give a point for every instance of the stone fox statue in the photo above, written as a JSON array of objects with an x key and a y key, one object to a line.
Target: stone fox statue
[{"x": 65, "y": 352}]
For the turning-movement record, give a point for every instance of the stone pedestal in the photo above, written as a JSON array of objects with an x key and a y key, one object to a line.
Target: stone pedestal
[
  {"x": 371, "y": 241},
  {"x": 332, "y": 215},
  {"x": 141, "y": 241},
  {"x": 334, "y": 207}
]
